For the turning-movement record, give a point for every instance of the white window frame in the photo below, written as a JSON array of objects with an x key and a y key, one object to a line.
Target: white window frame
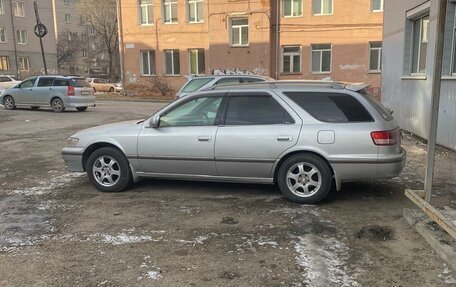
[
  {"x": 24, "y": 63},
  {"x": 197, "y": 62},
  {"x": 240, "y": 28},
  {"x": 292, "y": 55},
  {"x": 321, "y": 59},
  {"x": 18, "y": 9},
  {"x": 67, "y": 18},
  {"x": 379, "y": 59},
  {"x": 291, "y": 16},
  {"x": 144, "y": 7},
  {"x": 6, "y": 61},
  {"x": 415, "y": 73},
  {"x": 2, "y": 8},
  {"x": 168, "y": 7},
  {"x": 193, "y": 5},
  {"x": 3, "y": 33},
  {"x": 173, "y": 52},
  {"x": 148, "y": 52},
  {"x": 321, "y": 8},
  {"x": 66, "y": 2},
  {"x": 21, "y": 35},
  {"x": 381, "y": 6}
]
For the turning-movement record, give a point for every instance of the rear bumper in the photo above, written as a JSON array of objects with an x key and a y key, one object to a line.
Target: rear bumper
[
  {"x": 389, "y": 167},
  {"x": 80, "y": 101},
  {"x": 73, "y": 158}
]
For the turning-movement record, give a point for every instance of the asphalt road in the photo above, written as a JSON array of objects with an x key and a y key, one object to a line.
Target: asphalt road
[{"x": 56, "y": 229}]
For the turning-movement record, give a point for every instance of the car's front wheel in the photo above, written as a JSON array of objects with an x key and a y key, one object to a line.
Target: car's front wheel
[
  {"x": 9, "y": 103},
  {"x": 305, "y": 178},
  {"x": 108, "y": 170},
  {"x": 111, "y": 89}
]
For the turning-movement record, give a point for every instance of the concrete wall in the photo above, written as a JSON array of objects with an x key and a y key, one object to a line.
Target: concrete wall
[{"x": 409, "y": 96}]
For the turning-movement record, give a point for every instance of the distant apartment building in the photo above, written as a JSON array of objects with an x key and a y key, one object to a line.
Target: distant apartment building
[
  {"x": 20, "y": 52},
  {"x": 409, "y": 45},
  {"x": 286, "y": 39}
]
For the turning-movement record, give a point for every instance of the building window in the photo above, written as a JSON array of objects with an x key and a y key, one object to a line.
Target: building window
[
  {"x": 84, "y": 53},
  {"x": 18, "y": 9},
  {"x": 84, "y": 37},
  {"x": 2, "y": 9},
  {"x": 239, "y": 31},
  {"x": 67, "y": 18},
  {"x": 66, "y": 2},
  {"x": 92, "y": 31},
  {"x": 4, "y": 63},
  {"x": 375, "y": 56},
  {"x": 195, "y": 11},
  {"x": 292, "y": 8},
  {"x": 321, "y": 58},
  {"x": 147, "y": 63},
  {"x": 2, "y": 35},
  {"x": 291, "y": 59},
  {"x": 172, "y": 62},
  {"x": 377, "y": 5},
  {"x": 420, "y": 36},
  {"x": 322, "y": 7},
  {"x": 196, "y": 61},
  {"x": 21, "y": 36},
  {"x": 24, "y": 64},
  {"x": 170, "y": 11},
  {"x": 146, "y": 11}
]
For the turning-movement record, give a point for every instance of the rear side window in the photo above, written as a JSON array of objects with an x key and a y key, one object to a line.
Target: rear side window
[
  {"x": 5, "y": 79},
  {"x": 60, "y": 83},
  {"x": 378, "y": 106},
  {"x": 79, "y": 83},
  {"x": 45, "y": 82},
  {"x": 195, "y": 84},
  {"x": 255, "y": 110},
  {"x": 331, "y": 107}
]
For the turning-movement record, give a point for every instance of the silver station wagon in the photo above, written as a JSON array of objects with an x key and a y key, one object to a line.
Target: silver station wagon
[
  {"x": 56, "y": 92},
  {"x": 307, "y": 137}
]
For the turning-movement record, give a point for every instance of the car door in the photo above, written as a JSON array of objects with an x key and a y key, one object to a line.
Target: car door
[
  {"x": 23, "y": 93},
  {"x": 183, "y": 143},
  {"x": 256, "y": 128},
  {"x": 43, "y": 91}
]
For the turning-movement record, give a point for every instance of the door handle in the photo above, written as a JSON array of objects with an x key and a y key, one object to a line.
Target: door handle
[
  {"x": 284, "y": 138},
  {"x": 204, "y": 139}
]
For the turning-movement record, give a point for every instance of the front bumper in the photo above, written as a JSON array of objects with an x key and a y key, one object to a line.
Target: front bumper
[
  {"x": 80, "y": 101},
  {"x": 73, "y": 158}
]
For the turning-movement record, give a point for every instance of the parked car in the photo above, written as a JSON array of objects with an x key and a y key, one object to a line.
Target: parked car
[
  {"x": 101, "y": 85},
  {"x": 201, "y": 83},
  {"x": 57, "y": 92},
  {"x": 7, "y": 82},
  {"x": 118, "y": 87},
  {"x": 306, "y": 137}
]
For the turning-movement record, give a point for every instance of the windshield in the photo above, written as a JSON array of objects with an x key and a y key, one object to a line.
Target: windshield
[
  {"x": 384, "y": 112},
  {"x": 80, "y": 83},
  {"x": 195, "y": 84}
]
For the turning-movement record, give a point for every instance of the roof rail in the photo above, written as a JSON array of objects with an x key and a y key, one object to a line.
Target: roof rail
[{"x": 277, "y": 83}]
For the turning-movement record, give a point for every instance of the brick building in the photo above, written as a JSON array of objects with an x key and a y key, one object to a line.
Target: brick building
[{"x": 316, "y": 39}]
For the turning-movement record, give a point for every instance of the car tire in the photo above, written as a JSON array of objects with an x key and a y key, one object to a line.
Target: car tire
[
  {"x": 94, "y": 90},
  {"x": 305, "y": 179},
  {"x": 9, "y": 103},
  {"x": 34, "y": 107},
  {"x": 57, "y": 105},
  {"x": 81, "y": 109},
  {"x": 109, "y": 170},
  {"x": 111, "y": 89}
]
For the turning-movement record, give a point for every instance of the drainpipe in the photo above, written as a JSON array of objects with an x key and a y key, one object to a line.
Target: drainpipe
[
  {"x": 120, "y": 43},
  {"x": 14, "y": 39},
  {"x": 277, "y": 44}
]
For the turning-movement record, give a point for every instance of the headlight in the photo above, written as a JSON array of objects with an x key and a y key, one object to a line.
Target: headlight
[{"x": 71, "y": 142}]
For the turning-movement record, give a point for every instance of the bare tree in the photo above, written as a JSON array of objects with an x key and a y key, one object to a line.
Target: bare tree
[
  {"x": 101, "y": 15},
  {"x": 68, "y": 46}
]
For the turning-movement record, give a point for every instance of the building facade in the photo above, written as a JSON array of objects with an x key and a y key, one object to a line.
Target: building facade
[
  {"x": 20, "y": 52},
  {"x": 286, "y": 39},
  {"x": 408, "y": 61}
]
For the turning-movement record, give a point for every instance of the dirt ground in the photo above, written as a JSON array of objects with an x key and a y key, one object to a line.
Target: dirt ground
[{"x": 57, "y": 230}]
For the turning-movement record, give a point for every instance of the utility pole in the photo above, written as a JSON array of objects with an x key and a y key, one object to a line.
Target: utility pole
[
  {"x": 120, "y": 43},
  {"x": 40, "y": 32},
  {"x": 14, "y": 40}
]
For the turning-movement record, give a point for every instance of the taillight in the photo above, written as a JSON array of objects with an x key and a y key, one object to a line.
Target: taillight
[
  {"x": 391, "y": 137},
  {"x": 71, "y": 91}
]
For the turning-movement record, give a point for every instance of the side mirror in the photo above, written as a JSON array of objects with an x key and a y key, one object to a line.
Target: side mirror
[{"x": 154, "y": 122}]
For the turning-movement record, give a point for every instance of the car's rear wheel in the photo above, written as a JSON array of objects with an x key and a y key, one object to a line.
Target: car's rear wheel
[
  {"x": 111, "y": 89},
  {"x": 9, "y": 103},
  {"x": 81, "y": 109},
  {"x": 108, "y": 170},
  {"x": 305, "y": 178},
  {"x": 57, "y": 105}
]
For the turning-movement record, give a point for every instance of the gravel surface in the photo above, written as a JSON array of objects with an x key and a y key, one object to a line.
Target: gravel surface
[{"x": 57, "y": 230}]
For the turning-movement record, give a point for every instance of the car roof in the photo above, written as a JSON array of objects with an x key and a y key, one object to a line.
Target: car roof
[{"x": 228, "y": 76}]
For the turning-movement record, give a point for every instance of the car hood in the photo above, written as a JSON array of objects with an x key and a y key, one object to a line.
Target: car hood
[{"x": 111, "y": 130}]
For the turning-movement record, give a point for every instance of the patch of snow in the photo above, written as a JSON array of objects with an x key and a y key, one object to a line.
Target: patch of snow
[
  {"x": 271, "y": 243},
  {"x": 48, "y": 186},
  {"x": 122, "y": 238},
  {"x": 155, "y": 275}
]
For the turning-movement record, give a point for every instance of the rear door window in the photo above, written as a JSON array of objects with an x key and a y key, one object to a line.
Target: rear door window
[
  {"x": 60, "y": 83},
  {"x": 331, "y": 107},
  {"x": 255, "y": 110},
  {"x": 45, "y": 82},
  {"x": 195, "y": 84}
]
